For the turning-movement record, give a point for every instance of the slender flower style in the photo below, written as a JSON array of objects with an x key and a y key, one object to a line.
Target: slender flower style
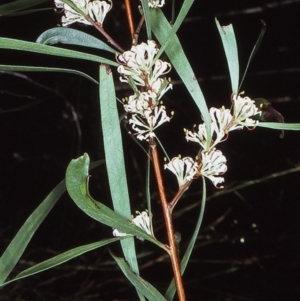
[
  {"x": 213, "y": 166},
  {"x": 96, "y": 10},
  {"x": 220, "y": 125},
  {"x": 184, "y": 169},
  {"x": 222, "y": 122},
  {"x": 137, "y": 63},
  {"x": 243, "y": 109},
  {"x": 138, "y": 69},
  {"x": 142, "y": 220},
  {"x": 137, "y": 104},
  {"x": 145, "y": 126}
]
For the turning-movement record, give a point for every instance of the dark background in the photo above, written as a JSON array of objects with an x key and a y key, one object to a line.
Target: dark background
[{"x": 248, "y": 248}]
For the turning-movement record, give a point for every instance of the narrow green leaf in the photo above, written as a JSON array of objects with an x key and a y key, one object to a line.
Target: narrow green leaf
[
  {"x": 254, "y": 50},
  {"x": 61, "y": 258},
  {"x": 149, "y": 291},
  {"x": 181, "y": 16},
  {"x": 146, "y": 10},
  {"x": 6, "y": 43},
  {"x": 280, "y": 126},
  {"x": 161, "y": 28},
  {"x": 19, "y": 243},
  {"x": 231, "y": 52},
  {"x": 74, "y": 6},
  {"x": 113, "y": 145},
  {"x": 29, "y": 11},
  {"x": 114, "y": 158},
  {"x": 169, "y": 295},
  {"x": 73, "y": 37},
  {"x": 18, "y": 5},
  {"x": 77, "y": 177},
  {"x": 45, "y": 69}
]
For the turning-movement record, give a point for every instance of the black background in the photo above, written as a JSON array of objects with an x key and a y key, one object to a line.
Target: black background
[{"x": 248, "y": 248}]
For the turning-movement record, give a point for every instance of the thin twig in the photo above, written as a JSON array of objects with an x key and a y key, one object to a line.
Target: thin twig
[
  {"x": 182, "y": 189},
  {"x": 138, "y": 29},
  {"x": 99, "y": 27},
  {"x": 130, "y": 20},
  {"x": 168, "y": 221}
]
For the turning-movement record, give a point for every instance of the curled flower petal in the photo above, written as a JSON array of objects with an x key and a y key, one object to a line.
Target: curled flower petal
[
  {"x": 160, "y": 87},
  {"x": 139, "y": 57},
  {"x": 184, "y": 169},
  {"x": 152, "y": 119},
  {"x": 117, "y": 233},
  {"x": 142, "y": 220},
  {"x": 213, "y": 166},
  {"x": 96, "y": 10},
  {"x": 137, "y": 104},
  {"x": 243, "y": 109},
  {"x": 198, "y": 137},
  {"x": 137, "y": 63},
  {"x": 156, "y": 3},
  {"x": 221, "y": 123}
]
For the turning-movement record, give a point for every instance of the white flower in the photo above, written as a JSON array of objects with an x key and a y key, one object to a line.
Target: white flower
[
  {"x": 156, "y": 3},
  {"x": 138, "y": 104},
  {"x": 152, "y": 119},
  {"x": 213, "y": 165},
  {"x": 137, "y": 63},
  {"x": 198, "y": 137},
  {"x": 142, "y": 220},
  {"x": 221, "y": 123},
  {"x": 184, "y": 169},
  {"x": 139, "y": 57},
  {"x": 117, "y": 233},
  {"x": 96, "y": 10},
  {"x": 243, "y": 109},
  {"x": 71, "y": 16},
  {"x": 161, "y": 86}
]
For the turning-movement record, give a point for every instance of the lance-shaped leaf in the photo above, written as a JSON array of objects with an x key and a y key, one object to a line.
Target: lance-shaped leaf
[
  {"x": 280, "y": 126},
  {"x": 149, "y": 291},
  {"x": 146, "y": 10},
  {"x": 114, "y": 157},
  {"x": 231, "y": 52},
  {"x": 181, "y": 16},
  {"x": 19, "y": 243},
  {"x": 77, "y": 178},
  {"x": 6, "y": 43},
  {"x": 61, "y": 258},
  {"x": 45, "y": 69},
  {"x": 18, "y": 5},
  {"x": 72, "y": 37},
  {"x": 162, "y": 29}
]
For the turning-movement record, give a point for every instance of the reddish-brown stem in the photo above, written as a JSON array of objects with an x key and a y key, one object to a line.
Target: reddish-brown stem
[
  {"x": 105, "y": 34},
  {"x": 130, "y": 19},
  {"x": 182, "y": 189},
  {"x": 168, "y": 221}
]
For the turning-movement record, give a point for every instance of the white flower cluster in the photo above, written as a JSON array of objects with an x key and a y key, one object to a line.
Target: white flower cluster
[
  {"x": 156, "y": 3},
  {"x": 96, "y": 10},
  {"x": 138, "y": 69},
  {"x": 142, "y": 220},
  {"x": 212, "y": 163}
]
